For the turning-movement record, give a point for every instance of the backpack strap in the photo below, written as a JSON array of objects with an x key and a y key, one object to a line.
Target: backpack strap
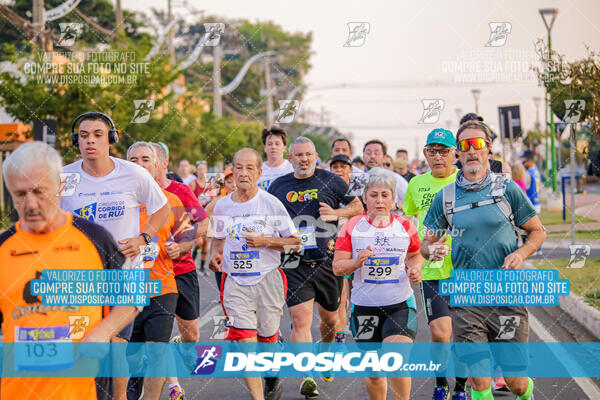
[
  {"x": 449, "y": 199},
  {"x": 497, "y": 192}
]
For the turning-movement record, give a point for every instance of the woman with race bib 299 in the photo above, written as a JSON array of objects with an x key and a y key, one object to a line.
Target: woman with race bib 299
[{"x": 382, "y": 250}]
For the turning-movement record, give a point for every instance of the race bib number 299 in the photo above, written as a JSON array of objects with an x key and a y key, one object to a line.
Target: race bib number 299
[{"x": 380, "y": 270}]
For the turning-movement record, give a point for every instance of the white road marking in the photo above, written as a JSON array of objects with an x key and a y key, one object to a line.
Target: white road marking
[
  {"x": 586, "y": 384},
  {"x": 207, "y": 317}
]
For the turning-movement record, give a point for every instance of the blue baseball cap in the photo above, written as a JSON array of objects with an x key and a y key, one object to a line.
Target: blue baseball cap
[{"x": 441, "y": 136}]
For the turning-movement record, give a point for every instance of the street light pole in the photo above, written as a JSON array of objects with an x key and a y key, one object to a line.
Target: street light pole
[
  {"x": 459, "y": 113},
  {"x": 218, "y": 102},
  {"x": 269, "y": 90},
  {"x": 550, "y": 13},
  {"x": 476, "y": 93},
  {"x": 536, "y": 102}
]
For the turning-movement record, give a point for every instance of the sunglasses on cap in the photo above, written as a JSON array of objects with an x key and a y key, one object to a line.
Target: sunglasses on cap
[{"x": 476, "y": 143}]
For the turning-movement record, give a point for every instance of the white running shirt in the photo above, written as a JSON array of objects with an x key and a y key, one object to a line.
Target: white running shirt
[
  {"x": 269, "y": 174},
  {"x": 114, "y": 200},
  {"x": 382, "y": 280},
  {"x": 263, "y": 213}
]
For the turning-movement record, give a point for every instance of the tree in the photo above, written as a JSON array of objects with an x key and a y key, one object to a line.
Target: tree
[
  {"x": 289, "y": 65},
  {"x": 99, "y": 11},
  {"x": 579, "y": 79}
]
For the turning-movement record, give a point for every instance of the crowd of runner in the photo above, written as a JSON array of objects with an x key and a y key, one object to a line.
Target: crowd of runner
[{"x": 351, "y": 234}]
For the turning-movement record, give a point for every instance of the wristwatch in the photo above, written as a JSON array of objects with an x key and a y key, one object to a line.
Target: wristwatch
[{"x": 147, "y": 238}]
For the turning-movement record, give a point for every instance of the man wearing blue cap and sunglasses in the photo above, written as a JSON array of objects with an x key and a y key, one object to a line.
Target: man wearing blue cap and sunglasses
[
  {"x": 440, "y": 153},
  {"x": 489, "y": 211}
]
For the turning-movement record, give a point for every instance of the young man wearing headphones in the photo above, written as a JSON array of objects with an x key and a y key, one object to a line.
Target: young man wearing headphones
[{"x": 110, "y": 192}]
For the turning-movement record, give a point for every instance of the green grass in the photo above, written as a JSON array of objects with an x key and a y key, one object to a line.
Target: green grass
[
  {"x": 583, "y": 281},
  {"x": 555, "y": 218},
  {"x": 5, "y": 221},
  {"x": 579, "y": 234}
]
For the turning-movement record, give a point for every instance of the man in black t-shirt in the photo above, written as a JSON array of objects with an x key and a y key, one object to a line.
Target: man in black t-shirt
[{"x": 312, "y": 197}]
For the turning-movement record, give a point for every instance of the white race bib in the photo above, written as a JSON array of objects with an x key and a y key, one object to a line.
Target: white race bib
[
  {"x": 379, "y": 270},
  {"x": 244, "y": 263},
  {"x": 307, "y": 236},
  {"x": 41, "y": 349}
]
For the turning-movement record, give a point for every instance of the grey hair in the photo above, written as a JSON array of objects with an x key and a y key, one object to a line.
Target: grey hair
[
  {"x": 160, "y": 151},
  {"x": 381, "y": 176},
  {"x": 301, "y": 139},
  {"x": 31, "y": 154},
  {"x": 147, "y": 145}
]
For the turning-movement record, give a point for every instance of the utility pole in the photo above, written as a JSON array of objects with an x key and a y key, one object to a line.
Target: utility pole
[
  {"x": 218, "y": 102},
  {"x": 39, "y": 25},
  {"x": 459, "y": 113},
  {"x": 536, "y": 101},
  {"x": 573, "y": 181},
  {"x": 172, "y": 33},
  {"x": 476, "y": 93},
  {"x": 269, "y": 89},
  {"x": 551, "y": 13},
  {"x": 119, "y": 16}
]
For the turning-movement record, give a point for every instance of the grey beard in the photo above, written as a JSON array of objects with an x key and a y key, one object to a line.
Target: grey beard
[
  {"x": 308, "y": 172},
  {"x": 473, "y": 170}
]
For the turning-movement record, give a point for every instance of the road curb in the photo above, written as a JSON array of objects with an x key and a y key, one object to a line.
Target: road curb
[{"x": 581, "y": 312}]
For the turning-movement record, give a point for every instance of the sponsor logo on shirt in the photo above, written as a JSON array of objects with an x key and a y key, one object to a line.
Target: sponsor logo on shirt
[
  {"x": 235, "y": 230},
  {"x": 306, "y": 195},
  {"x": 88, "y": 212},
  {"x": 87, "y": 194},
  {"x": 102, "y": 211},
  {"x": 14, "y": 253},
  {"x": 33, "y": 304},
  {"x": 67, "y": 247},
  {"x": 264, "y": 184}
]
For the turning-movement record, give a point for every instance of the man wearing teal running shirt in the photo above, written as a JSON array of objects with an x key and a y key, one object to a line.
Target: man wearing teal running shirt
[
  {"x": 487, "y": 240},
  {"x": 440, "y": 152}
]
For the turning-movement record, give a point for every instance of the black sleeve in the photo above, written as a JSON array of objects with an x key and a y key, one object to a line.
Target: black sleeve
[
  {"x": 276, "y": 183},
  {"x": 107, "y": 248},
  {"x": 4, "y": 236}
]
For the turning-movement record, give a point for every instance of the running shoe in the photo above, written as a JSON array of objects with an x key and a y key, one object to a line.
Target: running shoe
[
  {"x": 441, "y": 393},
  {"x": 327, "y": 376},
  {"x": 530, "y": 397},
  {"x": 340, "y": 337},
  {"x": 499, "y": 384},
  {"x": 176, "y": 339},
  {"x": 273, "y": 388},
  {"x": 459, "y": 396},
  {"x": 176, "y": 393},
  {"x": 135, "y": 388},
  {"x": 308, "y": 388}
]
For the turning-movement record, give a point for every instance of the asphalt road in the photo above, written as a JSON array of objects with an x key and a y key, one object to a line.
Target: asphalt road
[{"x": 546, "y": 324}]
